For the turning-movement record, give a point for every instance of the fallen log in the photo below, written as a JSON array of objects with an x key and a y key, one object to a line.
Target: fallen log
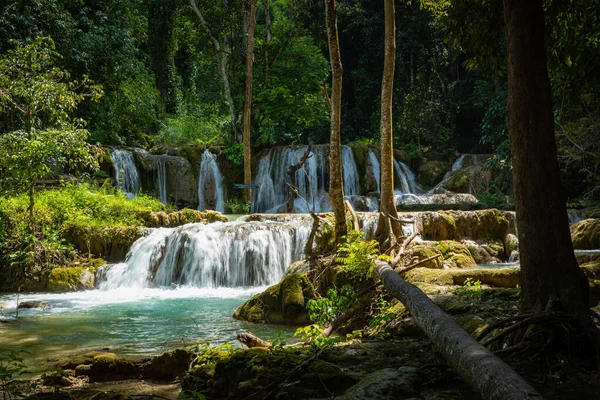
[
  {"x": 252, "y": 340},
  {"x": 491, "y": 377}
]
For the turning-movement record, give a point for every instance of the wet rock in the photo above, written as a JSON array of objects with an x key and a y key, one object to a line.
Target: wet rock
[
  {"x": 431, "y": 172},
  {"x": 447, "y": 198},
  {"x": 103, "y": 367},
  {"x": 30, "y": 304},
  {"x": 586, "y": 234},
  {"x": 482, "y": 254},
  {"x": 167, "y": 366},
  {"x": 283, "y": 303},
  {"x": 471, "y": 179},
  {"x": 385, "y": 384},
  {"x": 511, "y": 243}
]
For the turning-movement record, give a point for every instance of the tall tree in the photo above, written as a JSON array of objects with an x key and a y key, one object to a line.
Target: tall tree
[
  {"x": 336, "y": 185},
  {"x": 388, "y": 220},
  {"x": 550, "y": 276},
  {"x": 251, "y": 24}
]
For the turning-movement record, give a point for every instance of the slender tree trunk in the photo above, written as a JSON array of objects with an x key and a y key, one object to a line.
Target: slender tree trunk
[
  {"x": 248, "y": 98},
  {"x": 222, "y": 53},
  {"x": 487, "y": 374},
  {"x": 336, "y": 185},
  {"x": 387, "y": 204},
  {"x": 550, "y": 276}
]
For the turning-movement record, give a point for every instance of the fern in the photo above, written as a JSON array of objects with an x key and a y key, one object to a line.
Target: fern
[{"x": 354, "y": 253}]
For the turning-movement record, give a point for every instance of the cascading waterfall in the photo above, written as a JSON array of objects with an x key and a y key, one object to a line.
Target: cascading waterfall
[
  {"x": 312, "y": 180},
  {"x": 232, "y": 254},
  {"x": 375, "y": 168},
  {"x": 351, "y": 180},
  {"x": 408, "y": 183},
  {"x": 161, "y": 177},
  {"x": 210, "y": 184},
  {"x": 458, "y": 163},
  {"x": 125, "y": 172}
]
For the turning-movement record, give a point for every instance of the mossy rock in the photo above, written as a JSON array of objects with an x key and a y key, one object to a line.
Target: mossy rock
[
  {"x": 471, "y": 179},
  {"x": 481, "y": 225},
  {"x": 422, "y": 252},
  {"x": 499, "y": 277},
  {"x": 431, "y": 172},
  {"x": 284, "y": 303},
  {"x": 473, "y": 324},
  {"x": 157, "y": 219},
  {"x": 167, "y": 366},
  {"x": 70, "y": 279},
  {"x": 103, "y": 367},
  {"x": 586, "y": 234},
  {"x": 456, "y": 254},
  {"x": 108, "y": 242},
  {"x": 591, "y": 269}
]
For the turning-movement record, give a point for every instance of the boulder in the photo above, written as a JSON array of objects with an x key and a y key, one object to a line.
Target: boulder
[
  {"x": 422, "y": 252},
  {"x": 167, "y": 366},
  {"x": 284, "y": 303},
  {"x": 586, "y": 234},
  {"x": 70, "y": 279},
  {"x": 108, "y": 242},
  {"x": 457, "y": 225},
  {"x": 104, "y": 367},
  {"x": 471, "y": 179},
  {"x": 483, "y": 253},
  {"x": 456, "y": 254},
  {"x": 511, "y": 244},
  {"x": 431, "y": 172},
  {"x": 385, "y": 384},
  {"x": 33, "y": 304}
]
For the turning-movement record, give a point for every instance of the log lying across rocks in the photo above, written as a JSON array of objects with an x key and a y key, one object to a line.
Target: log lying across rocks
[{"x": 491, "y": 377}]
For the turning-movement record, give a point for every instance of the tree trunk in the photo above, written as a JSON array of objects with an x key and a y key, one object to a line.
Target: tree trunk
[
  {"x": 387, "y": 204},
  {"x": 222, "y": 53},
  {"x": 550, "y": 276},
  {"x": 491, "y": 377},
  {"x": 336, "y": 185},
  {"x": 248, "y": 98}
]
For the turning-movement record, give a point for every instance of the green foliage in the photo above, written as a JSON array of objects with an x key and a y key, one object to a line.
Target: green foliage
[
  {"x": 27, "y": 256},
  {"x": 471, "y": 290},
  {"x": 325, "y": 310},
  {"x": 383, "y": 314},
  {"x": 190, "y": 130},
  {"x": 237, "y": 206},
  {"x": 277, "y": 341},
  {"x": 354, "y": 253},
  {"x": 235, "y": 153},
  {"x": 313, "y": 335},
  {"x": 12, "y": 367}
]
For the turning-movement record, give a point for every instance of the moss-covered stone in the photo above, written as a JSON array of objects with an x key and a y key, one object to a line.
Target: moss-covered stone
[
  {"x": 167, "y": 366},
  {"x": 456, "y": 254},
  {"x": 103, "y": 367},
  {"x": 70, "y": 279},
  {"x": 586, "y": 234},
  {"x": 108, "y": 242},
  {"x": 431, "y": 172},
  {"x": 470, "y": 179},
  {"x": 284, "y": 303},
  {"x": 457, "y": 225},
  {"x": 423, "y": 252},
  {"x": 500, "y": 277}
]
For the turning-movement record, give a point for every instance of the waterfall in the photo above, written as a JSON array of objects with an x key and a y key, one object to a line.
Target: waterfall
[
  {"x": 311, "y": 180},
  {"x": 375, "y": 168},
  {"x": 408, "y": 183},
  {"x": 160, "y": 179},
  {"x": 210, "y": 184},
  {"x": 125, "y": 172},
  {"x": 458, "y": 163},
  {"x": 351, "y": 180},
  {"x": 231, "y": 254}
]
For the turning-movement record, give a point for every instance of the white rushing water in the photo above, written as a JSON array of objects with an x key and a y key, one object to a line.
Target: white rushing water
[
  {"x": 408, "y": 182},
  {"x": 312, "y": 180},
  {"x": 458, "y": 163},
  {"x": 375, "y": 168},
  {"x": 125, "y": 171},
  {"x": 210, "y": 184},
  {"x": 232, "y": 254}
]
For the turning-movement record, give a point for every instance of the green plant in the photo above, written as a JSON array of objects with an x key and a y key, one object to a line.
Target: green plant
[
  {"x": 277, "y": 341},
  {"x": 355, "y": 254},
  {"x": 471, "y": 289},
  {"x": 235, "y": 153},
  {"x": 384, "y": 313},
  {"x": 323, "y": 311},
  {"x": 237, "y": 206},
  {"x": 12, "y": 368},
  {"x": 313, "y": 334}
]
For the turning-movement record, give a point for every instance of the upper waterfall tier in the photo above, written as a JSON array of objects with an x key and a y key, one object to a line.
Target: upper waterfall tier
[
  {"x": 126, "y": 173},
  {"x": 210, "y": 184}
]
